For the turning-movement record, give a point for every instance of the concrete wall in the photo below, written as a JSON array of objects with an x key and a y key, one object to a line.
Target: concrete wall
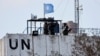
[
  {"x": 43, "y": 45},
  {"x": 47, "y": 45}
]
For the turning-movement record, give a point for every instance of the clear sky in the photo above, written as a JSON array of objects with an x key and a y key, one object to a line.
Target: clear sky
[{"x": 14, "y": 13}]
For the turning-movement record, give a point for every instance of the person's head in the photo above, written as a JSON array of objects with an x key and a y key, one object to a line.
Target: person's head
[
  {"x": 65, "y": 24},
  {"x": 45, "y": 23}
]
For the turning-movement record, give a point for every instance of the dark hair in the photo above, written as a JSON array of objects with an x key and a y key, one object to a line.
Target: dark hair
[{"x": 65, "y": 24}]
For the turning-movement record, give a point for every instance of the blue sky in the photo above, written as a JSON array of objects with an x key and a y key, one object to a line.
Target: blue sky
[{"x": 14, "y": 13}]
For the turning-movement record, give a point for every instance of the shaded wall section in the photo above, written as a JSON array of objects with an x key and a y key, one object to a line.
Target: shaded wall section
[{"x": 0, "y": 47}]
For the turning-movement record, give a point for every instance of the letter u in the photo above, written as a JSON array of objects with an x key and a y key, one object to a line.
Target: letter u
[{"x": 16, "y": 44}]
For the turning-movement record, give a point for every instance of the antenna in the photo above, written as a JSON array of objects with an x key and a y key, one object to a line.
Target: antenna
[{"x": 77, "y": 14}]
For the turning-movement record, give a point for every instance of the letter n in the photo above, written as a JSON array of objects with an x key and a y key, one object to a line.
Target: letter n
[{"x": 26, "y": 44}]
